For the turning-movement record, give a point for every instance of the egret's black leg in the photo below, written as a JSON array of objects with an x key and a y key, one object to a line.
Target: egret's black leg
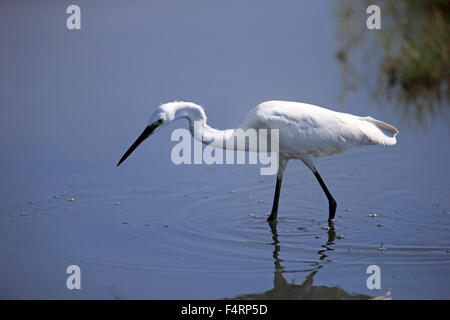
[
  {"x": 331, "y": 202},
  {"x": 281, "y": 167},
  {"x": 273, "y": 215}
]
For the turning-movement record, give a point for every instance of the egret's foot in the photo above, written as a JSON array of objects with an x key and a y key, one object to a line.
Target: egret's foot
[
  {"x": 272, "y": 217},
  {"x": 331, "y": 226},
  {"x": 332, "y": 210},
  {"x": 331, "y": 233}
]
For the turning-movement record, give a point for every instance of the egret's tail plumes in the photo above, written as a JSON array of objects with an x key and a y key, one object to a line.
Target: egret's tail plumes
[{"x": 379, "y": 132}]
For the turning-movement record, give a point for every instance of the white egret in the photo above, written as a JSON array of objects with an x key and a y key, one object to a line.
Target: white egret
[{"x": 305, "y": 132}]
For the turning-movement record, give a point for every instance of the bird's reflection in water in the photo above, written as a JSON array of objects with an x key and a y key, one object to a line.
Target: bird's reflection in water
[{"x": 284, "y": 290}]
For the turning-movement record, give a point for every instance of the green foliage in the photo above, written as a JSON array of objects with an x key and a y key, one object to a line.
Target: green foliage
[{"x": 409, "y": 56}]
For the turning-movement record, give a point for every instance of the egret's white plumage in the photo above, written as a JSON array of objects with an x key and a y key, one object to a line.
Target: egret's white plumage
[{"x": 305, "y": 131}]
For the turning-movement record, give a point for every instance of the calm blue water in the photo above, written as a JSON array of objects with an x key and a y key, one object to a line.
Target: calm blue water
[{"x": 73, "y": 101}]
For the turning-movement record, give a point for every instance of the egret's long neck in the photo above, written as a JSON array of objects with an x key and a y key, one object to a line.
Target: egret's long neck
[
  {"x": 241, "y": 138},
  {"x": 200, "y": 130}
]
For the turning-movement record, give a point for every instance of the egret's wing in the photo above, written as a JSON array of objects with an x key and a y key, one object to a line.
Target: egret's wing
[
  {"x": 309, "y": 129},
  {"x": 367, "y": 130}
]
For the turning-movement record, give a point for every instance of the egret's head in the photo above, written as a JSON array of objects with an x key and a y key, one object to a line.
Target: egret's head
[
  {"x": 158, "y": 119},
  {"x": 162, "y": 116}
]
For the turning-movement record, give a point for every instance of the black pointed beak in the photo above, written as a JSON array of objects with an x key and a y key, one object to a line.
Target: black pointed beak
[{"x": 144, "y": 135}]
